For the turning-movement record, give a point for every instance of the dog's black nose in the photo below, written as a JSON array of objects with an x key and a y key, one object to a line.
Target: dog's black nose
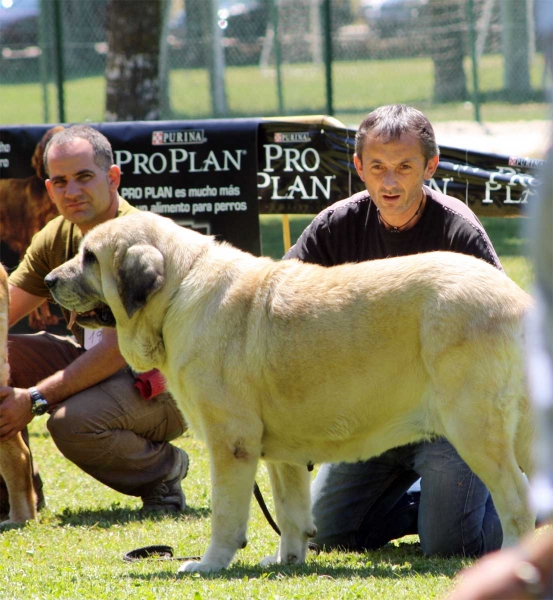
[{"x": 50, "y": 280}]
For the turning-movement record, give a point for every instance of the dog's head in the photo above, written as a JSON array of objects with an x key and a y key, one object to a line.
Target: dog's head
[
  {"x": 119, "y": 267},
  {"x": 122, "y": 265}
]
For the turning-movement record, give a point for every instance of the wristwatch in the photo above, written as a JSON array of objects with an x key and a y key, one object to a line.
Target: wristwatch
[{"x": 39, "y": 404}]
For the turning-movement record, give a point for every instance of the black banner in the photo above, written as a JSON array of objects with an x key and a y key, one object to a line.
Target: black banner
[
  {"x": 218, "y": 175},
  {"x": 304, "y": 167},
  {"x": 491, "y": 184},
  {"x": 200, "y": 173}
]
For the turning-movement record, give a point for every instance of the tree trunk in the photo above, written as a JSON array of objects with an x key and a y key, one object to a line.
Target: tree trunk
[
  {"x": 132, "y": 69},
  {"x": 205, "y": 40},
  {"x": 447, "y": 21},
  {"x": 198, "y": 23}
]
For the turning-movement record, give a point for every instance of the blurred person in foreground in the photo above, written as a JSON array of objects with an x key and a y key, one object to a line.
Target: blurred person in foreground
[{"x": 526, "y": 571}]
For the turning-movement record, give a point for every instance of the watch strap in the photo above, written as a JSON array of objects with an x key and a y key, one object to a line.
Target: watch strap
[{"x": 39, "y": 404}]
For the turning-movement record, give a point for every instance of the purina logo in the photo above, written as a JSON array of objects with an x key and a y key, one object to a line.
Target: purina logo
[
  {"x": 292, "y": 136},
  {"x": 177, "y": 138},
  {"x": 515, "y": 161}
]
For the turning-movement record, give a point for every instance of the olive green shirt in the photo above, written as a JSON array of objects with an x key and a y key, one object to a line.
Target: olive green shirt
[{"x": 54, "y": 244}]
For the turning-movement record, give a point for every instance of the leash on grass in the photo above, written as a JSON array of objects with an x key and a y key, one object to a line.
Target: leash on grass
[
  {"x": 162, "y": 552},
  {"x": 157, "y": 552}
]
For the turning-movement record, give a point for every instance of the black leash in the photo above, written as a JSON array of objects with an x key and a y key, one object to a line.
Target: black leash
[
  {"x": 161, "y": 552},
  {"x": 260, "y": 500},
  {"x": 157, "y": 552}
]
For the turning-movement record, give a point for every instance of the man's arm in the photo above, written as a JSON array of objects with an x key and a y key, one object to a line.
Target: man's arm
[
  {"x": 95, "y": 365},
  {"x": 22, "y": 303}
]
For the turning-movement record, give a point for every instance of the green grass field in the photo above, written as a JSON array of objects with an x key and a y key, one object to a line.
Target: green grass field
[
  {"x": 74, "y": 551},
  {"x": 359, "y": 86}
]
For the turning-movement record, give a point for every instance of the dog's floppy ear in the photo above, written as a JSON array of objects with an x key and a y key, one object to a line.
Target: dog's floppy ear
[{"x": 141, "y": 273}]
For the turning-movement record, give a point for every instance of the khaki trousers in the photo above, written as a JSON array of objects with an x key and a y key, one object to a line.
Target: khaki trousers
[{"x": 108, "y": 430}]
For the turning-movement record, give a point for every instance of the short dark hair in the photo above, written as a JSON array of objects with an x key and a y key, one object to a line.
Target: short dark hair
[
  {"x": 390, "y": 122},
  {"x": 103, "y": 153}
]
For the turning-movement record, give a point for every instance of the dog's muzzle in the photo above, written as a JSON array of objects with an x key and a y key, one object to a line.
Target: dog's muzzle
[{"x": 99, "y": 315}]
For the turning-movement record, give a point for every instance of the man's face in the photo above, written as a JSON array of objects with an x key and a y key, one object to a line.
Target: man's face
[
  {"x": 393, "y": 173},
  {"x": 82, "y": 192}
]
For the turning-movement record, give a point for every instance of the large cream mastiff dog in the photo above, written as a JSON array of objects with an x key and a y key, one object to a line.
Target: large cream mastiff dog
[{"x": 298, "y": 364}]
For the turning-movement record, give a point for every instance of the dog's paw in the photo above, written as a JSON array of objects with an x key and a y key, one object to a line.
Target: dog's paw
[
  {"x": 192, "y": 566},
  {"x": 291, "y": 559},
  {"x": 8, "y": 525},
  {"x": 268, "y": 561}
]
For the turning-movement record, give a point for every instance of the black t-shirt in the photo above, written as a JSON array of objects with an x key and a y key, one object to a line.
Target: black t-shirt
[{"x": 350, "y": 231}]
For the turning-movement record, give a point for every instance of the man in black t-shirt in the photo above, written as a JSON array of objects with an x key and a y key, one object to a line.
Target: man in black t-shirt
[{"x": 364, "y": 505}]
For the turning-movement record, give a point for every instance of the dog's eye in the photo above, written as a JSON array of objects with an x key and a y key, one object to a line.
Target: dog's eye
[{"x": 89, "y": 257}]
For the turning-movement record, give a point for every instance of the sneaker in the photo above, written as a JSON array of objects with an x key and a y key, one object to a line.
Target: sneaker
[{"x": 167, "y": 496}]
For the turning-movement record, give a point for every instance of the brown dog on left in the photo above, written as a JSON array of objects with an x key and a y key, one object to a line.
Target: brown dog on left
[{"x": 15, "y": 458}]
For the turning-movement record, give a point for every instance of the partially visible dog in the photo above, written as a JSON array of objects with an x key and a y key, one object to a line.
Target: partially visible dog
[
  {"x": 26, "y": 208},
  {"x": 15, "y": 458},
  {"x": 299, "y": 364}
]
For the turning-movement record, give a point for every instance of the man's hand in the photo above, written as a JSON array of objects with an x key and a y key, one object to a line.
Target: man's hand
[{"x": 15, "y": 411}]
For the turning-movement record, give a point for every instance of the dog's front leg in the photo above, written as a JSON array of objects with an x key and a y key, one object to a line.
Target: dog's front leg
[
  {"x": 233, "y": 469},
  {"x": 290, "y": 484},
  {"x": 15, "y": 468}
]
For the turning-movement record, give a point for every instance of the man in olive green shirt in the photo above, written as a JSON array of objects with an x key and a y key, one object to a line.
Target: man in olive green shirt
[{"x": 98, "y": 418}]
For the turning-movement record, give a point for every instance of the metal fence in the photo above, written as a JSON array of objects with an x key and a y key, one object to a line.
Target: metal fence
[{"x": 279, "y": 57}]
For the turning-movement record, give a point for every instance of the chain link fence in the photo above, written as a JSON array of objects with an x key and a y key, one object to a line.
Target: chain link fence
[{"x": 279, "y": 57}]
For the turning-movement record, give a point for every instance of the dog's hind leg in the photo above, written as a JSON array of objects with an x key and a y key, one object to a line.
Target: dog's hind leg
[
  {"x": 503, "y": 477},
  {"x": 290, "y": 485},
  {"x": 15, "y": 467},
  {"x": 233, "y": 468},
  {"x": 487, "y": 444},
  {"x": 479, "y": 400}
]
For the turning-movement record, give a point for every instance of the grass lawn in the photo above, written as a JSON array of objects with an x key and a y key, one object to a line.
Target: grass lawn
[
  {"x": 359, "y": 86},
  {"x": 74, "y": 551}
]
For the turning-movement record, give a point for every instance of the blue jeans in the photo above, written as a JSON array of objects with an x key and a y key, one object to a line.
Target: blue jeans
[{"x": 364, "y": 505}]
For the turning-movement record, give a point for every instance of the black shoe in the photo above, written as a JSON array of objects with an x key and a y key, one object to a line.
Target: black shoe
[{"x": 167, "y": 496}]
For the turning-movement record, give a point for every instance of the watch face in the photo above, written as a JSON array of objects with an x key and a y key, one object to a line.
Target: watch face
[
  {"x": 39, "y": 407},
  {"x": 39, "y": 404}
]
